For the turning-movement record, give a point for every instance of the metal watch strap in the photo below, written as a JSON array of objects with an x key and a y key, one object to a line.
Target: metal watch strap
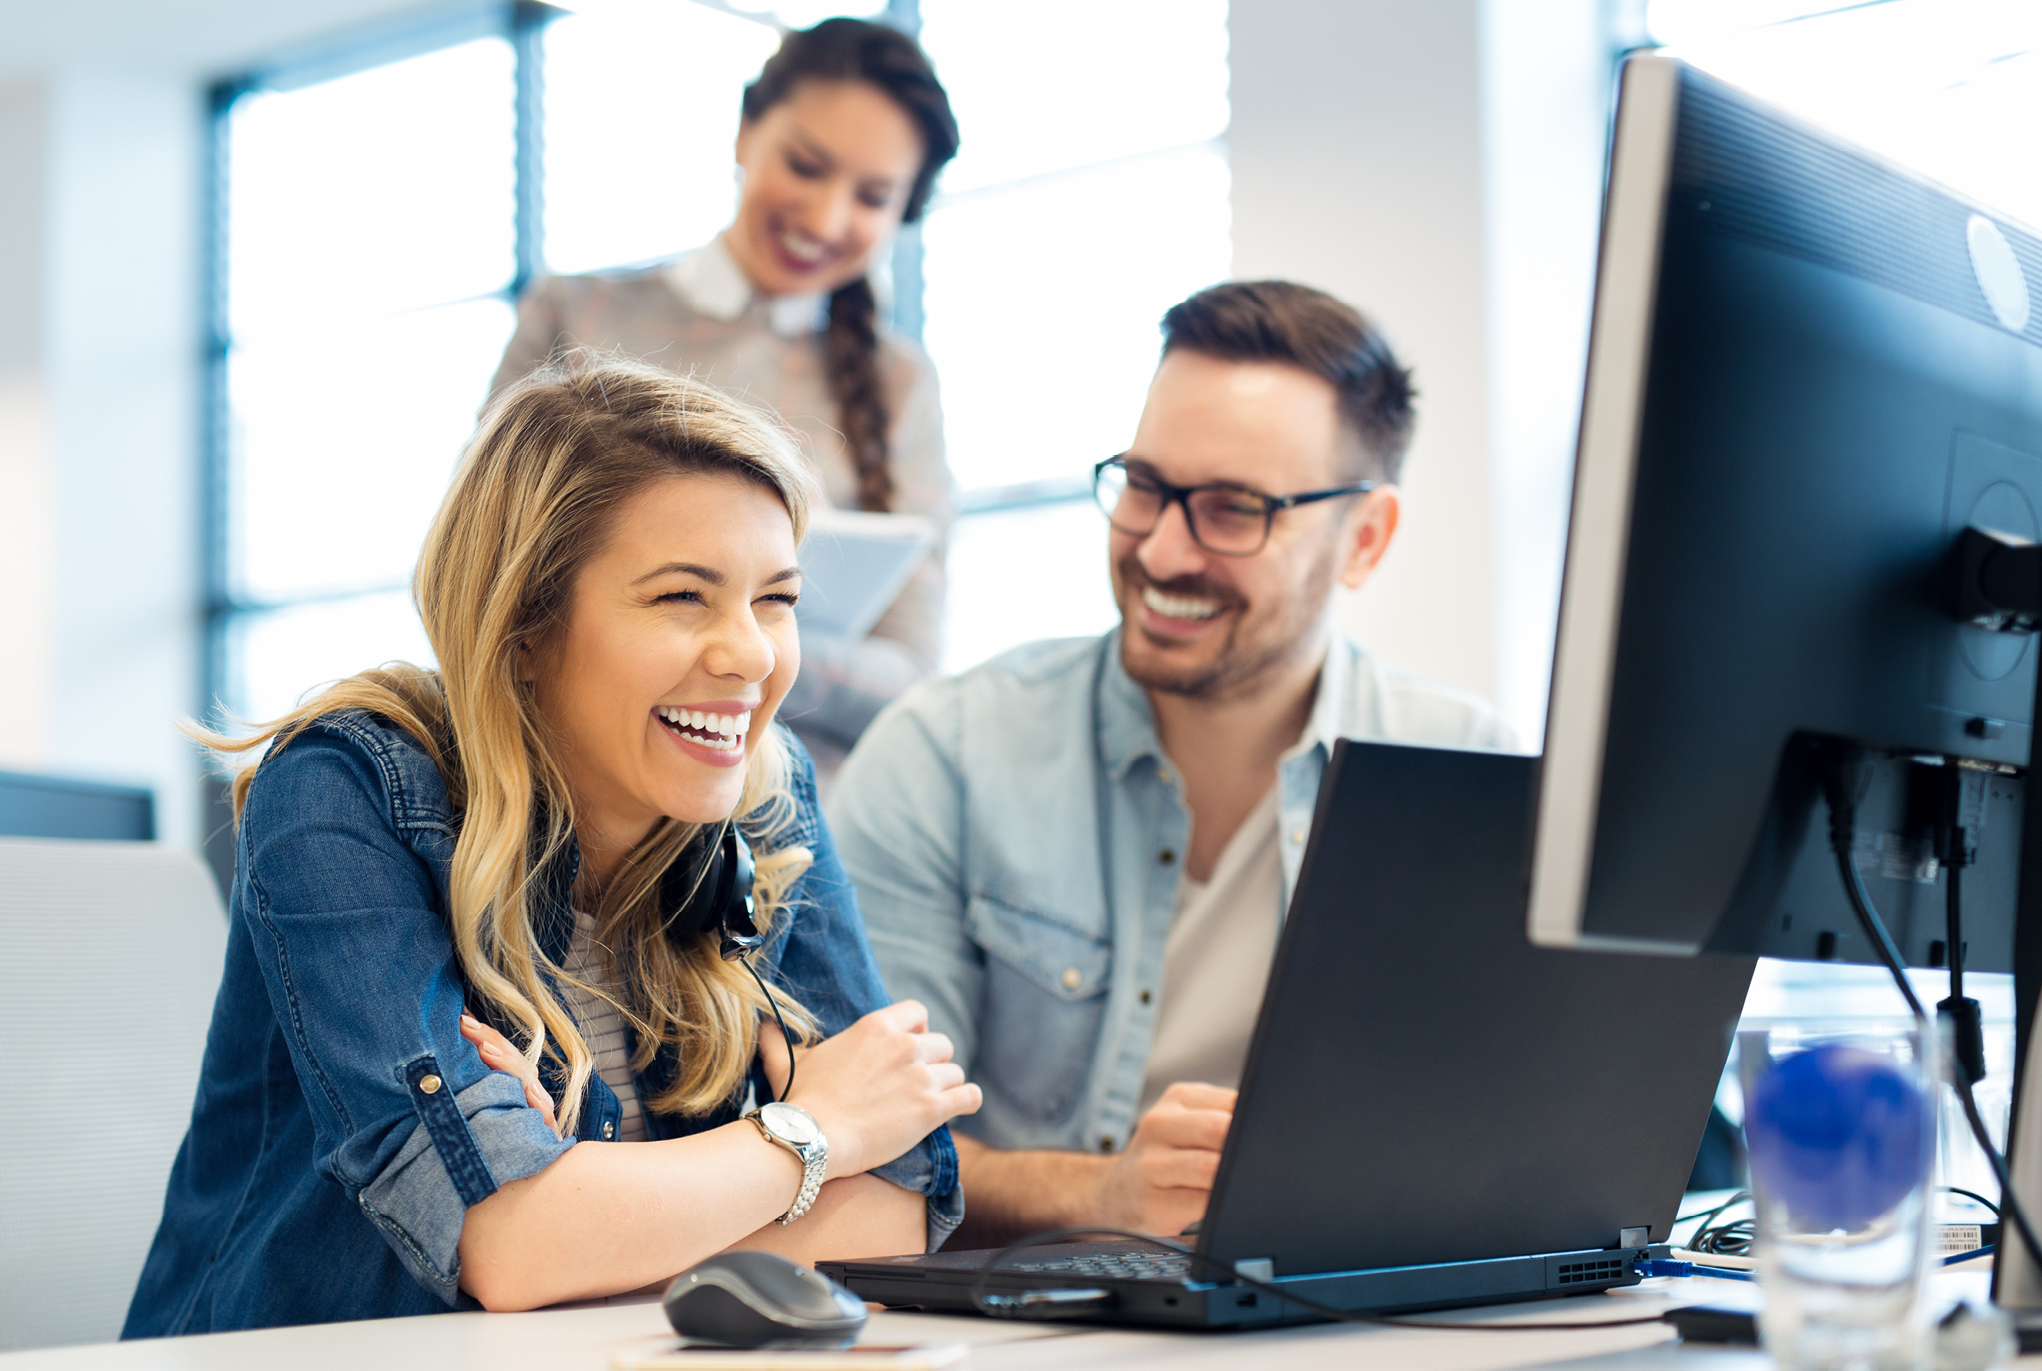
[{"x": 815, "y": 1160}]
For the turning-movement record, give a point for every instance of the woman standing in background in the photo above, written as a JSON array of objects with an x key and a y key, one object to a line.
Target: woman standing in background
[{"x": 840, "y": 142}]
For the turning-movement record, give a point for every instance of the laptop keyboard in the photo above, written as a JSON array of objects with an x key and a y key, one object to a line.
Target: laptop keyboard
[{"x": 1157, "y": 1266}]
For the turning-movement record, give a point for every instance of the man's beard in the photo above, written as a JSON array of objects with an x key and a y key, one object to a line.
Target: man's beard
[{"x": 1255, "y": 646}]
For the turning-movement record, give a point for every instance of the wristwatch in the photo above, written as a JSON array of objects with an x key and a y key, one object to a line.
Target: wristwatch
[{"x": 794, "y": 1128}]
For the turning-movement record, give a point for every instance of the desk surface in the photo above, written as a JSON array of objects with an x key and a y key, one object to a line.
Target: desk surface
[{"x": 585, "y": 1338}]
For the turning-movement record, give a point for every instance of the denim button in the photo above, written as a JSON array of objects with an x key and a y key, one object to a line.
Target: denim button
[
  {"x": 1166, "y": 856},
  {"x": 609, "y": 1130},
  {"x": 429, "y": 1084},
  {"x": 1073, "y": 978}
]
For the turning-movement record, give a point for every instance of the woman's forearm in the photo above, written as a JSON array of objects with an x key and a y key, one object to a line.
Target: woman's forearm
[
  {"x": 859, "y": 1216},
  {"x": 611, "y": 1217}
]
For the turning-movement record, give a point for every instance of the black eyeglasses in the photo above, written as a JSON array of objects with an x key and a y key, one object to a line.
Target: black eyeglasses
[{"x": 1230, "y": 520}]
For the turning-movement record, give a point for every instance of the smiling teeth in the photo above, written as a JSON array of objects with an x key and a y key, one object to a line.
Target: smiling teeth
[
  {"x": 802, "y": 247},
  {"x": 720, "y": 732},
  {"x": 1178, "y": 606}
]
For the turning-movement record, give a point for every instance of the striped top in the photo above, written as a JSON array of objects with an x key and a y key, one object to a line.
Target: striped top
[{"x": 602, "y": 1027}]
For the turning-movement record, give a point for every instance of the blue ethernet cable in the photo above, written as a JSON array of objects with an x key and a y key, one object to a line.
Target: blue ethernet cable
[{"x": 1666, "y": 1266}]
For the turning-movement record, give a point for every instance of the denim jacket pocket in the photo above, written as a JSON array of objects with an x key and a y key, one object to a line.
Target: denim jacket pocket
[{"x": 1045, "y": 998}]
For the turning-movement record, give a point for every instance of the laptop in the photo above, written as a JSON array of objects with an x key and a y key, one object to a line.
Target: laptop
[{"x": 1433, "y": 1112}]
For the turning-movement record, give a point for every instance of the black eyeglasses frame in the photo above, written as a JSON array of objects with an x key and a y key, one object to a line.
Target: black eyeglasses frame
[{"x": 1181, "y": 496}]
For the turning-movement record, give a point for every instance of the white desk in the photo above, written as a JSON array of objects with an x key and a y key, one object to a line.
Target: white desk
[{"x": 585, "y": 1338}]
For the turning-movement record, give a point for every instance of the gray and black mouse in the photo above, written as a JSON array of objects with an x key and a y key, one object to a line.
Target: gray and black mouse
[{"x": 747, "y": 1299}]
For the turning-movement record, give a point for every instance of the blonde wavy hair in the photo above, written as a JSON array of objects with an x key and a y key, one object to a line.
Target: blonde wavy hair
[{"x": 530, "y": 504}]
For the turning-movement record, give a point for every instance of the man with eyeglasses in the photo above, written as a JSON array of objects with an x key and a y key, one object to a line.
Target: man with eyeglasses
[{"x": 1077, "y": 855}]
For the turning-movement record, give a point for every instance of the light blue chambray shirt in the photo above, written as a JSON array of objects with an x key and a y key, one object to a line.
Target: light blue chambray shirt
[{"x": 1015, "y": 834}]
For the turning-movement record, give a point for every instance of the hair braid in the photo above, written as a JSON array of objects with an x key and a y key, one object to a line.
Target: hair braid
[{"x": 851, "y": 357}]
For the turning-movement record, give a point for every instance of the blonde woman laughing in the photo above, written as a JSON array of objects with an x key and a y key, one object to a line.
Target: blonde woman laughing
[{"x": 513, "y": 941}]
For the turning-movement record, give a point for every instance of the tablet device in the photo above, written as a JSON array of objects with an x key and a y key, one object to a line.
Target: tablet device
[{"x": 854, "y": 563}]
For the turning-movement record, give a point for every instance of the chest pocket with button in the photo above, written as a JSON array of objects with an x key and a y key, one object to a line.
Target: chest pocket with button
[{"x": 1045, "y": 995}]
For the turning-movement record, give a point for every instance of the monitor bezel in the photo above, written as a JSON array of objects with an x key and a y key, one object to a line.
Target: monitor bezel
[{"x": 1598, "y": 534}]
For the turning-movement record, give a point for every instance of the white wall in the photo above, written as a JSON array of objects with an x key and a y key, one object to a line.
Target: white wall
[
  {"x": 26, "y": 678},
  {"x": 99, "y": 377},
  {"x": 1438, "y": 163},
  {"x": 125, "y": 371},
  {"x": 1547, "y": 82}
]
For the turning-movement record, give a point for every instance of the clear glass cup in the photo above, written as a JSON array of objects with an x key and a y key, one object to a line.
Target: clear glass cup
[{"x": 1840, "y": 1125}]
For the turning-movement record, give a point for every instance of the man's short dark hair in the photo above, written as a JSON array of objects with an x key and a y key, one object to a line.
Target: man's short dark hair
[{"x": 1281, "y": 321}]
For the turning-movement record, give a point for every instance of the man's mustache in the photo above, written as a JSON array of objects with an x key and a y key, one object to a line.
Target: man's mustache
[{"x": 1191, "y": 587}]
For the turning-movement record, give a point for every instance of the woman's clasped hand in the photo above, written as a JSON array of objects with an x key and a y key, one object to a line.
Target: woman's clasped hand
[{"x": 877, "y": 1088}]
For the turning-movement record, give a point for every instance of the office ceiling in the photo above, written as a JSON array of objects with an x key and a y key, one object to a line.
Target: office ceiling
[{"x": 201, "y": 38}]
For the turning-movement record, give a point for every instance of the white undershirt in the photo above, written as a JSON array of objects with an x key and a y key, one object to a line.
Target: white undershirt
[
  {"x": 602, "y": 1027},
  {"x": 1216, "y": 961}
]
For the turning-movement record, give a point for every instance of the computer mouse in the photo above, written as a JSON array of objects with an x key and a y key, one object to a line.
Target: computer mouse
[{"x": 748, "y": 1299}]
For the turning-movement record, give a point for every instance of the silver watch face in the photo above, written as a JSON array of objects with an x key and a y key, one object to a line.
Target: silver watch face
[{"x": 790, "y": 1122}]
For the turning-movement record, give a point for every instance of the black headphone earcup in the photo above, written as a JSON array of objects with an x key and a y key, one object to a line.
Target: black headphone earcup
[
  {"x": 716, "y": 897},
  {"x": 740, "y": 930},
  {"x": 744, "y": 871}
]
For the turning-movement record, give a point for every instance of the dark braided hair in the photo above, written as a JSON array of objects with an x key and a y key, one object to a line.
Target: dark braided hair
[{"x": 854, "y": 50}]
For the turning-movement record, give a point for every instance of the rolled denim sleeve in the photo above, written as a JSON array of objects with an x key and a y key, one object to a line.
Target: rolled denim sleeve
[
  {"x": 480, "y": 1138},
  {"x": 364, "y": 982},
  {"x": 824, "y": 960}
]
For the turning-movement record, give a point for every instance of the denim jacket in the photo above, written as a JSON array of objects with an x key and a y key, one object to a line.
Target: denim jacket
[
  {"x": 343, "y": 1125},
  {"x": 1015, "y": 833}
]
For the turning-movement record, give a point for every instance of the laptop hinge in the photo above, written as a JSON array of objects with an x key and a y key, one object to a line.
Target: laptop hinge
[
  {"x": 1634, "y": 1237},
  {"x": 1256, "y": 1268}
]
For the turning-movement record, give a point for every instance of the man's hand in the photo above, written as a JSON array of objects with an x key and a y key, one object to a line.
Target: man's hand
[{"x": 1161, "y": 1183}]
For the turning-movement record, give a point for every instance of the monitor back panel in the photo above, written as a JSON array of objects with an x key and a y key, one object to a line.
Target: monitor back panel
[
  {"x": 1426, "y": 1086},
  {"x": 1829, "y": 401}
]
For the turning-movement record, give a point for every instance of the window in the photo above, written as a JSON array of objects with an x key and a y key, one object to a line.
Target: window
[
  {"x": 637, "y": 164},
  {"x": 378, "y": 212},
  {"x": 370, "y": 228},
  {"x": 1092, "y": 186},
  {"x": 1951, "y": 89}
]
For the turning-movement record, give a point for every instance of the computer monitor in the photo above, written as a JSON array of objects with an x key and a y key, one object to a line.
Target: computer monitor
[
  {"x": 1812, "y": 420},
  {"x": 1810, "y": 370}
]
